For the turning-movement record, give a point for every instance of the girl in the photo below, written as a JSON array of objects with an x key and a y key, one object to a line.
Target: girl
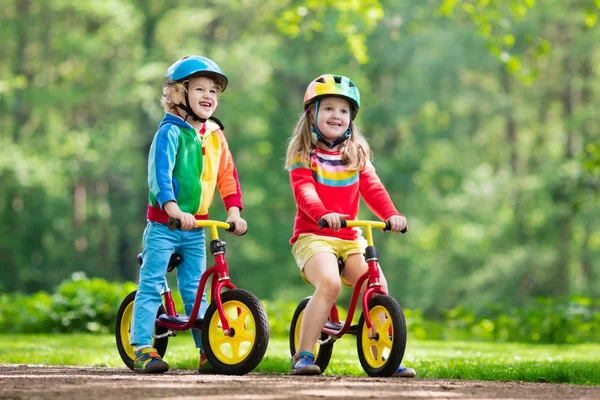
[{"x": 328, "y": 159}]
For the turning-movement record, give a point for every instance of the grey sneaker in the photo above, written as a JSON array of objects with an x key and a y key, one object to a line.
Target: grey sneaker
[{"x": 304, "y": 365}]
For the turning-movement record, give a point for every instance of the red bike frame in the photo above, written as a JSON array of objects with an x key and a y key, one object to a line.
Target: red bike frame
[
  {"x": 372, "y": 276},
  {"x": 220, "y": 273}
]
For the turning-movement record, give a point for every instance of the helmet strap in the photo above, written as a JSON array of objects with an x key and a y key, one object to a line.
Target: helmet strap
[
  {"x": 189, "y": 112},
  {"x": 319, "y": 135}
]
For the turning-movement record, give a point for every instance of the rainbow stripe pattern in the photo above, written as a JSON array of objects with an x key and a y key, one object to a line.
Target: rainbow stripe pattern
[{"x": 328, "y": 169}]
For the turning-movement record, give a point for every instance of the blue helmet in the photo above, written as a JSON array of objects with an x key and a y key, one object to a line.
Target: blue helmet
[{"x": 195, "y": 66}]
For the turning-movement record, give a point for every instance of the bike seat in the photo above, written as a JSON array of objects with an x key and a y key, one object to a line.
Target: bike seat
[
  {"x": 180, "y": 319},
  {"x": 341, "y": 265},
  {"x": 175, "y": 260}
]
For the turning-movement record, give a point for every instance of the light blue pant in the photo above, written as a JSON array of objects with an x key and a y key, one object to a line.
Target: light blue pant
[{"x": 159, "y": 244}]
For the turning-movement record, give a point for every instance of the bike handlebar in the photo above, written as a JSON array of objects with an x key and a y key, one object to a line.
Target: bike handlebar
[
  {"x": 375, "y": 224},
  {"x": 174, "y": 223}
]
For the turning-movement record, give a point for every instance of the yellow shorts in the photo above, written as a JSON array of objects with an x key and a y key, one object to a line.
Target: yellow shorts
[{"x": 308, "y": 245}]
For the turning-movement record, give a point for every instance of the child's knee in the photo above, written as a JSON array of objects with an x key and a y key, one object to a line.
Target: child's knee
[
  {"x": 330, "y": 287},
  {"x": 151, "y": 284}
]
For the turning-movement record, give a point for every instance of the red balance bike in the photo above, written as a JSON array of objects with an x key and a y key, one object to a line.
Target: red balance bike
[
  {"x": 235, "y": 328},
  {"x": 381, "y": 330}
]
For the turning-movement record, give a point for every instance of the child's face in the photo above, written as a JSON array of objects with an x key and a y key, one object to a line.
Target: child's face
[
  {"x": 334, "y": 117},
  {"x": 203, "y": 93}
]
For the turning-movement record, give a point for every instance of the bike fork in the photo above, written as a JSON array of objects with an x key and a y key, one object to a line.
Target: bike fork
[{"x": 169, "y": 307}]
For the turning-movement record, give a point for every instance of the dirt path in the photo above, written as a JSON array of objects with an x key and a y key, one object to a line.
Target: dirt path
[{"x": 28, "y": 382}]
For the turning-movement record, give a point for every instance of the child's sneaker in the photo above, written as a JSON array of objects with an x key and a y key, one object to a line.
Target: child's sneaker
[
  {"x": 204, "y": 366},
  {"x": 404, "y": 372},
  {"x": 304, "y": 365},
  {"x": 148, "y": 360}
]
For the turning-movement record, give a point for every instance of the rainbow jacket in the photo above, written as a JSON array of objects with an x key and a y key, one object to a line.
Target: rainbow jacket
[{"x": 186, "y": 166}]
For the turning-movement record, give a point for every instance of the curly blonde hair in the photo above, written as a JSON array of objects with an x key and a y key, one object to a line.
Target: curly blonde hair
[
  {"x": 174, "y": 93},
  {"x": 355, "y": 150}
]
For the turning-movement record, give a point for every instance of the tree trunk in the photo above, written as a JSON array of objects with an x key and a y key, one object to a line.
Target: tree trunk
[
  {"x": 511, "y": 125},
  {"x": 19, "y": 109},
  {"x": 511, "y": 137},
  {"x": 126, "y": 264},
  {"x": 561, "y": 282},
  {"x": 586, "y": 127},
  {"x": 537, "y": 157},
  {"x": 586, "y": 263}
]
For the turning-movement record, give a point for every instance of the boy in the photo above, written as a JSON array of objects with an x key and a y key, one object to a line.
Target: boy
[{"x": 188, "y": 158}]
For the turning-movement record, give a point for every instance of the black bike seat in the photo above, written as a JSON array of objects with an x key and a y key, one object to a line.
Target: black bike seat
[{"x": 175, "y": 260}]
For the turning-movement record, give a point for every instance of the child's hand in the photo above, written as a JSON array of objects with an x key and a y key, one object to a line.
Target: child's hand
[
  {"x": 241, "y": 226},
  {"x": 334, "y": 220},
  {"x": 187, "y": 221},
  {"x": 233, "y": 216},
  {"x": 397, "y": 223}
]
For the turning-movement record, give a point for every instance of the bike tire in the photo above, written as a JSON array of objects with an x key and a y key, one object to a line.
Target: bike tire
[
  {"x": 381, "y": 356},
  {"x": 242, "y": 352},
  {"x": 322, "y": 352},
  {"x": 123, "y": 329}
]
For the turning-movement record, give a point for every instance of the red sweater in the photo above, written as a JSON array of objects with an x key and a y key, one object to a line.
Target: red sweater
[{"x": 327, "y": 186}]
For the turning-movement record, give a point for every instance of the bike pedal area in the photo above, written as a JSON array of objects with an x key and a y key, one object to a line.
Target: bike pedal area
[
  {"x": 180, "y": 319},
  {"x": 352, "y": 330}
]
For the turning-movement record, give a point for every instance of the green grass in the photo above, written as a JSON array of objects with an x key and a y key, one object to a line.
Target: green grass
[{"x": 577, "y": 364}]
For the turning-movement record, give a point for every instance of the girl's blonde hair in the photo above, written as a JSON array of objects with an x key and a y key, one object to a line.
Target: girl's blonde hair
[
  {"x": 174, "y": 93},
  {"x": 355, "y": 150}
]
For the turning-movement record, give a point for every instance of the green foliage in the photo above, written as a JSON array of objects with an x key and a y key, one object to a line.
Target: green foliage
[
  {"x": 88, "y": 305},
  {"x": 495, "y": 22},
  {"x": 26, "y": 314},
  {"x": 280, "y": 316},
  {"x": 81, "y": 304},
  {"x": 481, "y": 114},
  {"x": 592, "y": 157},
  {"x": 354, "y": 20},
  {"x": 544, "y": 321}
]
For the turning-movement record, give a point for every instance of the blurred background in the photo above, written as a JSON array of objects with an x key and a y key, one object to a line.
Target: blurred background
[{"x": 480, "y": 113}]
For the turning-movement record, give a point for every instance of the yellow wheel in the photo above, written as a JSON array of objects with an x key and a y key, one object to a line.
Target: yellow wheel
[
  {"x": 233, "y": 349},
  {"x": 123, "y": 328},
  {"x": 381, "y": 349},
  {"x": 243, "y": 348},
  {"x": 322, "y": 352}
]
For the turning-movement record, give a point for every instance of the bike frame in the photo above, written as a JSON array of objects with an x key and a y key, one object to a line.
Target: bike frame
[
  {"x": 220, "y": 280},
  {"x": 372, "y": 276}
]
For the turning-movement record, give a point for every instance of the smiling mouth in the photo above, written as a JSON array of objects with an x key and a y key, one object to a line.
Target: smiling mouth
[
  {"x": 335, "y": 124},
  {"x": 205, "y": 104}
]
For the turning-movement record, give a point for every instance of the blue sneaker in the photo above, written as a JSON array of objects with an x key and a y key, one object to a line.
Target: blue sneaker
[
  {"x": 404, "y": 372},
  {"x": 304, "y": 365}
]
